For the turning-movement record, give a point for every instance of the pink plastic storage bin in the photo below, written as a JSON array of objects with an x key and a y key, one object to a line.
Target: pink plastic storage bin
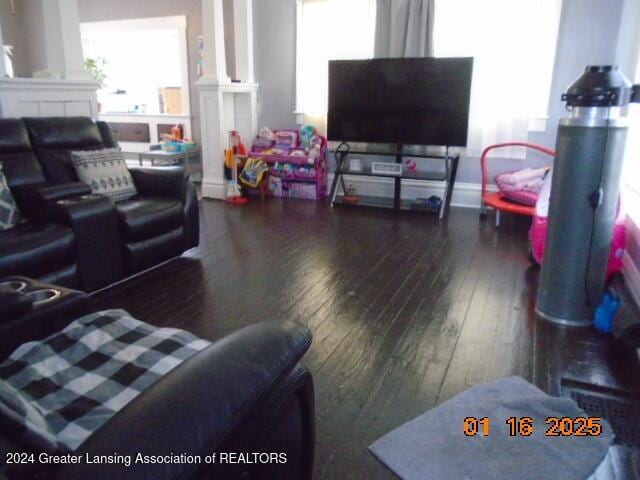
[
  {"x": 296, "y": 184},
  {"x": 293, "y": 174},
  {"x": 283, "y": 188},
  {"x": 304, "y": 191}
]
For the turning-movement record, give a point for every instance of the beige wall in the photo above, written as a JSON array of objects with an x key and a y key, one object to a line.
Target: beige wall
[{"x": 274, "y": 38}]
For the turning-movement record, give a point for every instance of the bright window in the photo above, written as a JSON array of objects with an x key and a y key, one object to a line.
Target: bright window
[
  {"x": 513, "y": 44},
  {"x": 330, "y": 30},
  {"x": 144, "y": 62},
  {"x": 631, "y": 175}
]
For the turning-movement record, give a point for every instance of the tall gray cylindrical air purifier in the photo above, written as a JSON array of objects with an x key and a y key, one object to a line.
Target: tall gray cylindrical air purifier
[{"x": 584, "y": 195}]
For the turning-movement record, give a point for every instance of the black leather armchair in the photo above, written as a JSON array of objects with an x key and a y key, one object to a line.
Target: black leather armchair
[
  {"x": 38, "y": 247},
  {"x": 159, "y": 223},
  {"x": 162, "y": 220},
  {"x": 246, "y": 393}
]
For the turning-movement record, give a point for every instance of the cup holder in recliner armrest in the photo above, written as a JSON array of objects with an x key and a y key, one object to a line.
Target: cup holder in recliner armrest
[
  {"x": 80, "y": 199},
  {"x": 17, "y": 285},
  {"x": 43, "y": 296},
  {"x": 13, "y": 303},
  {"x": 49, "y": 309}
]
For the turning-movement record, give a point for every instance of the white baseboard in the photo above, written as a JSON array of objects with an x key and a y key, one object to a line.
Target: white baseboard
[{"x": 465, "y": 195}]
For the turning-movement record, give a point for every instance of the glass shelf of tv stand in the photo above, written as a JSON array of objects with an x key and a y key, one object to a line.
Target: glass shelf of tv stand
[
  {"x": 385, "y": 202},
  {"x": 408, "y": 151},
  {"x": 406, "y": 175},
  {"x": 448, "y": 177}
]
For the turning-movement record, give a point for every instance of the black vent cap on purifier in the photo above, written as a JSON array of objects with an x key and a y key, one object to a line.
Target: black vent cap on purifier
[{"x": 599, "y": 86}]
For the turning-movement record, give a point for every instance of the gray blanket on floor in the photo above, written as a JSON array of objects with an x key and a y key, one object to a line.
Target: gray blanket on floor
[{"x": 434, "y": 447}]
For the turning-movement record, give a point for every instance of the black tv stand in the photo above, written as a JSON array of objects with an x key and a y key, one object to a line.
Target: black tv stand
[{"x": 398, "y": 152}]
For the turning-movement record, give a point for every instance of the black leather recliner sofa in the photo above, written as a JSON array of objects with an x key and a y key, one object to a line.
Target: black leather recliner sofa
[
  {"x": 244, "y": 394},
  {"x": 81, "y": 240}
]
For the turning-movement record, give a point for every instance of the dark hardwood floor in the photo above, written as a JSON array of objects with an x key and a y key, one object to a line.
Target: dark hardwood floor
[{"x": 406, "y": 310}]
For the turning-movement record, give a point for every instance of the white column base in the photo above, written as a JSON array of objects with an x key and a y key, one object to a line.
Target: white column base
[{"x": 214, "y": 188}]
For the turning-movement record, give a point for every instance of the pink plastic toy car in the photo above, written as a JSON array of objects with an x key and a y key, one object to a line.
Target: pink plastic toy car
[{"x": 539, "y": 225}]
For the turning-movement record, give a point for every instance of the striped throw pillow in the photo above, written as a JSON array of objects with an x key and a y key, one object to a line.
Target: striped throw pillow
[{"x": 105, "y": 171}]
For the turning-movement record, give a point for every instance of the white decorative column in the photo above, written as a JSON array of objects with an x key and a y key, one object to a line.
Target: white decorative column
[
  {"x": 64, "y": 88},
  {"x": 224, "y": 105},
  {"x": 299, "y": 111},
  {"x": 3, "y": 71},
  {"x": 243, "y": 36},
  {"x": 214, "y": 61},
  {"x": 55, "y": 44}
]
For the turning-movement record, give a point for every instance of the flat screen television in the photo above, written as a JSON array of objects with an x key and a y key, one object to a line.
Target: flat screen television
[{"x": 413, "y": 101}]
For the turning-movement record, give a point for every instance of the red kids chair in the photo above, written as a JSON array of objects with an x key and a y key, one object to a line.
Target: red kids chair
[{"x": 495, "y": 200}]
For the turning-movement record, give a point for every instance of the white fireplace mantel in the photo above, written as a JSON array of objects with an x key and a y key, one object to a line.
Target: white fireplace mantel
[{"x": 40, "y": 97}]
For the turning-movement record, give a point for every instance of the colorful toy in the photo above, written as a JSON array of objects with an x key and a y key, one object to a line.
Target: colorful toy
[
  {"x": 434, "y": 202},
  {"x": 170, "y": 146},
  {"x": 522, "y": 186},
  {"x": 234, "y": 195},
  {"x": 315, "y": 152},
  {"x": 308, "y": 136},
  {"x": 177, "y": 133},
  {"x": 350, "y": 195},
  {"x": 267, "y": 134},
  {"x": 539, "y": 225},
  {"x": 235, "y": 143},
  {"x": 411, "y": 166},
  {"x": 606, "y": 312},
  {"x": 253, "y": 171},
  {"x": 275, "y": 186},
  {"x": 286, "y": 140}
]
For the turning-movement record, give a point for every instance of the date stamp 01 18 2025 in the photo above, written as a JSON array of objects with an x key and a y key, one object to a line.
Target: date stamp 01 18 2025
[{"x": 524, "y": 426}]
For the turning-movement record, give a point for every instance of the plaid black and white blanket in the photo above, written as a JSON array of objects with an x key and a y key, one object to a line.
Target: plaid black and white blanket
[{"x": 56, "y": 392}]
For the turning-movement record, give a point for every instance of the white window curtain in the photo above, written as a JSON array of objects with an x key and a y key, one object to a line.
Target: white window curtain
[
  {"x": 329, "y": 30},
  {"x": 513, "y": 44},
  {"x": 404, "y": 28}
]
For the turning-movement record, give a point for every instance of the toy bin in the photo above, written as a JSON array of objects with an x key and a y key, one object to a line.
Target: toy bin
[{"x": 294, "y": 173}]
